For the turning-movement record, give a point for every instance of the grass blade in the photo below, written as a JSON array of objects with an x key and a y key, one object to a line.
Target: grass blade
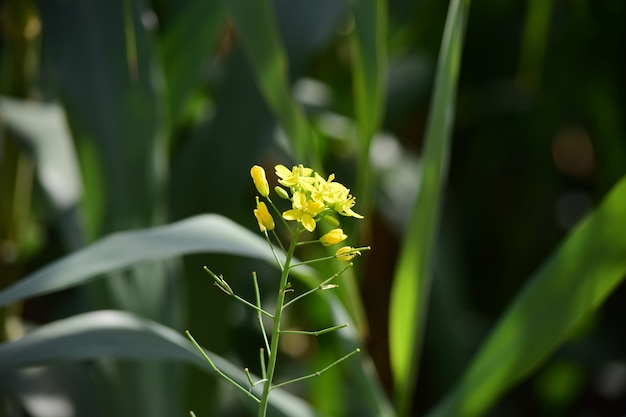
[
  {"x": 568, "y": 288},
  {"x": 411, "y": 285}
]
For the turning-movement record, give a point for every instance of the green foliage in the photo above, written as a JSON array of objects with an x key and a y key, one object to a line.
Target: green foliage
[{"x": 123, "y": 123}]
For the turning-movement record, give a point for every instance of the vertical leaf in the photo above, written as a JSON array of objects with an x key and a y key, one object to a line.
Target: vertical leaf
[
  {"x": 257, "y": 28},
  {"x": 186, "y": 46},
  {"x": 369, "y": 49},
  {"x": 412, "y": 278}
]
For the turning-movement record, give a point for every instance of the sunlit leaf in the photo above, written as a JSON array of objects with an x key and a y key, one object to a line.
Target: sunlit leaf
[
  {"x": 412, "y": 278},
  {"x": 566, "y": 290}
]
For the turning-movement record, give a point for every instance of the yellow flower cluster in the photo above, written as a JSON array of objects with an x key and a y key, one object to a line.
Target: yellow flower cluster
[{"x": 312, "y": 198}]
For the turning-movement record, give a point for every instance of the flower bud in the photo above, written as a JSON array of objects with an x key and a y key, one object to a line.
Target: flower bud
[
  {"x": 346, "y": 253},
  {"x": 331, "y": 220},
  {"x": 333, "y": 237},
  {"x": 263, "y": 216},
  {"x": 282, "y": 193},
  {"x": 260, "y": 182}
]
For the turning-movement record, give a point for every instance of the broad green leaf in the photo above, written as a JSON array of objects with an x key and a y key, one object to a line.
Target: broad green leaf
[
  {"x": 566, "y": 290},
  {"x": 203, "y": 233},
  {"x": 412, "y": 277},
  {"x": 257, "y": 29},
  {"x": 123, "y": 335}
]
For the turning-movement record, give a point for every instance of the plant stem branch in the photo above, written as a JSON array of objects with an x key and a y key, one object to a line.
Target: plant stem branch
[{"x": 273, "y": 351}]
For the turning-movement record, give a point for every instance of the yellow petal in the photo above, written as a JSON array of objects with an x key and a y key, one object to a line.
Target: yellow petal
[{"x": 308, "y": 222}]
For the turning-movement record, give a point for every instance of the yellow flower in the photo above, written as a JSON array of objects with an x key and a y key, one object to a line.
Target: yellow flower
[
  {"x": 346, "y": 253},
  {"x": 335, "y": 196},
  {"x": 263, "y": 216},
  {"x": 304, "y": 211},
  {"x": 333, "y": 237},
  {"x": 260, "y": 182},
  {"x": 298, "y": 178}
]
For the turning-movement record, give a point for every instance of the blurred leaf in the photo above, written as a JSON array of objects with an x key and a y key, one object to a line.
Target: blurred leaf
[
  {"x": 204, "y": 233},
  {"x": 534, "y": 42},
  {"x": 186, "y": 46},
  {"x": 369, "y": 66},
  {"x": 44, "y": 130},
  {"x": 102, "y": 62},
  {"x": 412, "y": 278},
  {"x": 257, "y": 29},
  {"x": 123, "y": 335},
  {"x": 566, "y": 290}
]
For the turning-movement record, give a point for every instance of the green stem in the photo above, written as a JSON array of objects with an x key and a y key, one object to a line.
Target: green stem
[
  {"x": 316, "y": 332},
  {"x": 318, "y": 373},
  {"x": 273, "y": 353}
]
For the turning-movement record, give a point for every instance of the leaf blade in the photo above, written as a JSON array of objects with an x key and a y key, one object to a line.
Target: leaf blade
[
  {"x": 123, "y": 335},
  {"x": 568, "y": 287},
  {"x": 412, "y": 277},
  {"x": 203, "y": 233}
]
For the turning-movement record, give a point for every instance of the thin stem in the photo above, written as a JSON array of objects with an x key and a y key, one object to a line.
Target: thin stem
[
  {"x": 260, "y": 318},
  {"x": 249, "y": 304},
  {"x": 318, "y": 373},
  {"x": 319, "y": 287},
  {"x": 215, "y": 368},
  {"x": 221, "y": 283},
  {"x": 310, "y": 261},
  {"x": 308, "y": 242},
  {"x": 316, "y": 332},
  {"x": 273, "y": 351},
  {"x": 282, "y": 248},
  {"x": 269, "y": 242},
  {"x": 262, "y": 358},
  {"x": 280, "y": 215}
]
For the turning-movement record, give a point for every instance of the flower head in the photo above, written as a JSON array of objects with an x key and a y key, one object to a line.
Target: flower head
[
  {"x": 263, "y": 216},
  {"x": 333, "y": 237},
  {"x": 260, "y": 182},
  {"x": 313, "y": 195}
]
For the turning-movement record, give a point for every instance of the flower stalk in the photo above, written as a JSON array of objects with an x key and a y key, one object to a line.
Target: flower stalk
[{"x": 313, "y": 199}]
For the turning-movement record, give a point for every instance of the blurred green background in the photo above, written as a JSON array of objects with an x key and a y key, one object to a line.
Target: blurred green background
[{"x": 120, "y": 115}]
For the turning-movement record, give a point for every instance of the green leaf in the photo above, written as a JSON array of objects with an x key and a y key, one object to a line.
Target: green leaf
[
  {"x": 369, "y": 49},
  {"x": 412, "y": 278},
  {"x": 122, "y": 335},
  {"x": 257, "y": 28},
  {"x": 100, "y": 57},
  {"x": 565, "y": 291},
  {"x": 186, "y": 47},
  {"x": 43, "y": 130},
  {"x": 203, "y": 233}
]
